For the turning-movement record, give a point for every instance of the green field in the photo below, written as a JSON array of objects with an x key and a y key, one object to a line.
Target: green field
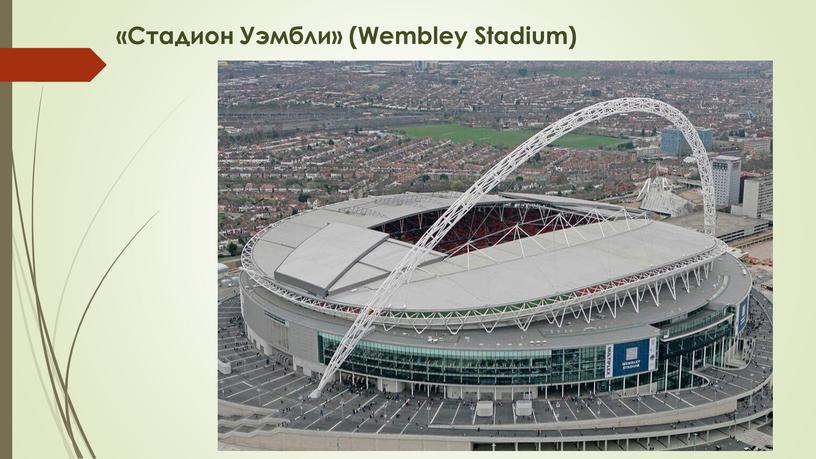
[
  {"x": 562, "y": 72},
  {"x": 508, "y": 139}
]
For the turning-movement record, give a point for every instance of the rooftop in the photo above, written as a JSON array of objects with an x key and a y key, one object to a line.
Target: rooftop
[
  {"x": 330, "y": 253},
  {"x": 726, "y": 285},
  {"x": 726, "y": 222},
  {"x": 727, "y": 158},
  {"x": 540, "y": 267}
]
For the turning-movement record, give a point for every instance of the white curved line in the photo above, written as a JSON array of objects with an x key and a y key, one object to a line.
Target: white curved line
[{"x": 498, "y": 173}]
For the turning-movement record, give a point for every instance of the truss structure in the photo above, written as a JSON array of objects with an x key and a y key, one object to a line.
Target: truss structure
[
  {"x": 545, "y": 223},
  {"x": 653, "y": 184},
  {"x": 360, "y": 210},
  {"x": 504, "y": 222},
  {"x": 529, "y": 215},
  {"x": 611, "y": 295},
  {"x": 498, "y": 173}
]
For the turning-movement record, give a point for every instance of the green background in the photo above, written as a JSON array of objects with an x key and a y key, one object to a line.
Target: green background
[{"x": 143, "y": 378}]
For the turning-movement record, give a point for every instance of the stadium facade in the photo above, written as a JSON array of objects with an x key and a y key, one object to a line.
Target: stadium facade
[{"x": 526, "y": 295}]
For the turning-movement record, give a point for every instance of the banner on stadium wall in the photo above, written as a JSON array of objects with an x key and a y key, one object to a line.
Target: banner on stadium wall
[
  {"x": 742, "y": 315},
  {"x": 631, "y": 357}
]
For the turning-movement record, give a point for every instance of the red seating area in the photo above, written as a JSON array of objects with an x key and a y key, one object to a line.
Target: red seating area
[{"x": 484, "y": 226}]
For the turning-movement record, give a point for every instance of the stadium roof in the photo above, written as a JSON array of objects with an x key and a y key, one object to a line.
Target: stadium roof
[
  {"x": 331, "y": 253},
  {"x": 518, "y": 271},
  {"x": 730, "y": 284}
]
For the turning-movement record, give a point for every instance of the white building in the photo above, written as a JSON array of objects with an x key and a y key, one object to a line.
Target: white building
[
  {"x": 757, "y": 198},
  {"x": 727, "y": 171}
]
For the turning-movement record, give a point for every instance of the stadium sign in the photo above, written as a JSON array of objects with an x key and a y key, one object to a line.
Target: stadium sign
[
  {"x": 632, "y": 357},
  {"x": 742, "y": 315}
]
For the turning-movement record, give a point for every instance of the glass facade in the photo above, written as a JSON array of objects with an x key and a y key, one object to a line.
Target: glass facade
[
  {"x": 444, "y": 366},
  {"x": 697, "y": 341},
  {"x": 530, "y": 367},
  {"x": 699, "y": 320},
  {"x": 672, "y": 140},
  {"x": 701, "y": 347}
]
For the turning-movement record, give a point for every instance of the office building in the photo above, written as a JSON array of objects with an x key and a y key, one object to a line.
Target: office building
[
  {"x": 672, "y": 141},
  {"x": 726, "y": 171}
]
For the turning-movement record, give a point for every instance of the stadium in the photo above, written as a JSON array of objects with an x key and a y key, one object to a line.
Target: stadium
[
  {"x": 527, "y": 294},
  {"x": 591, "y": 321}
]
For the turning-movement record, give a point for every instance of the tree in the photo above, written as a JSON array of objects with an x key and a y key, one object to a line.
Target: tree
[
  {"x": 232, "y": 248},
  {"x": 303, "y": 197}
]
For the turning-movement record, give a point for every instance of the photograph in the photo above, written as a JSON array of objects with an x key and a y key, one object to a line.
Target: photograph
[{"x": 495, "y": 255}]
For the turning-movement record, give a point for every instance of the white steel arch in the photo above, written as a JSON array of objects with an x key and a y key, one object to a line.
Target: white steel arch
[{"x": 498, "y": 173}]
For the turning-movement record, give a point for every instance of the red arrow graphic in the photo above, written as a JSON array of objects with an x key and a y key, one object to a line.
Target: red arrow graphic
[{"x": 49, "y": 64}]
